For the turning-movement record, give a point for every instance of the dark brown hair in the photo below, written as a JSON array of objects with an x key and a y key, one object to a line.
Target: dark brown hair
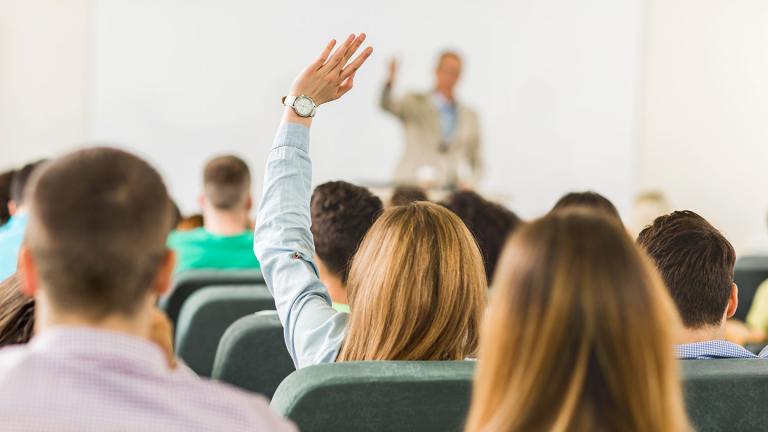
[
  {"x": 17, "y": 313},
  {"x": 696, "y": 262},
  {"x": 99, "y": 220},
  {"x": 404, "y": 195},
  {"x": 227, "y": 182},
  {"x": 589, "y": 199},
  {"x": 342, "y": 214},
  {"x": 5, "y": 195},
  {"x": 489, "y": 222},
  {"x": 20, "y": 180}
]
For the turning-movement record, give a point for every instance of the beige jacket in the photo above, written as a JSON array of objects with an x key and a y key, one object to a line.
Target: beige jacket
[{"x": 423, "y": 160}]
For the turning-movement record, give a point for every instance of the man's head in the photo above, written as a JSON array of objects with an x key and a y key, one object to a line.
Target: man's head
[
  {"x": 696, "y": 262},
  {"x": 342, "y": 214},
  {"x": 448, "y": 72},
  {"x": 227, "y": 184},
  {"x": 19, "y": 186},
  {"x": 404, "y": 195},
  {"x": 590, "y": 200},
  {"x": 95, "y": 247},
  {"x": 489, "y": 222}
]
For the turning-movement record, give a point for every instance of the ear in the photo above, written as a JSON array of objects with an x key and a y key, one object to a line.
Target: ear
[
  {"x": 28, "y": 273},
  {"x": 12, "y": 207},
  {"x": 733, "y": 302},
  {"x": 249, "y": 203},
  {"x": 165, "y": 273}
]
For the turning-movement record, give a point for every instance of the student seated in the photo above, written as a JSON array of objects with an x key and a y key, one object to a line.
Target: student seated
[
  {"x": 95, "y": 260},
  {"x": 226, "y": 240},
  {"x": 696, "y": 262},
  {"x": 590, "y": 200},
  {"x": 342, "y": 214},
  {"x": 404, "y": 195},
  {"x": 490, "y": 223},
  {"x": 12, "y": 233},
  {"x": 578, "y": 336},
  {"x": 17, "y": 313},
  {"x": 416, "y": 285}
]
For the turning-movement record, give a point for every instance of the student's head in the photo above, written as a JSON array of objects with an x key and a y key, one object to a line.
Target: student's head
[
  {"x": 416, "y": 288},
  {"x": 5, "y": 195},
  {"x": 19, "y": 186},
  {"x": 226, "y": 185},
  {"x": 696, "y": 262},
  {"x": 342, "y": 214},
  {"x": 578, "y": 335},
  {"x": 95, "y": 247},
  {"x": 17, "y": 313},
  {"x": 448, "y": 71},
  {"x": 590, "y": 200},
  {"x": 404, "y": 195},
  {"x": 489, "y": 222}
]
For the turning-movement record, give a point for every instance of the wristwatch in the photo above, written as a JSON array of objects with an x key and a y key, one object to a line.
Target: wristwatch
[{"x": 302, "y": 105}]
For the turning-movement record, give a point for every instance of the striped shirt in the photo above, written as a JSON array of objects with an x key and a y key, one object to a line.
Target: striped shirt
[{"x": 716, "y": 349}]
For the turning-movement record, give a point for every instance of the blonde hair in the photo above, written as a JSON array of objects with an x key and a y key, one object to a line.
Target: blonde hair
[
  {"x": 416, "y": 288},
  {"x": 578, "y": 336}
]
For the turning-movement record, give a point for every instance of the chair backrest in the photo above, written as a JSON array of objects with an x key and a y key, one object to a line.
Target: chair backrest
[
  {"x": 186, "y": 283},
  {"x": 750, "y": 272},
  {"x": 728, "y": 394},
  {"x": 208, "y": 313},
  {"x": 252, "y": 354},
  {"x": 378, "y": 396}
]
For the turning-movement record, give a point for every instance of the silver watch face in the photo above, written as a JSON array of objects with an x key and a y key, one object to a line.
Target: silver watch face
[{"x": 304, "y": 106}]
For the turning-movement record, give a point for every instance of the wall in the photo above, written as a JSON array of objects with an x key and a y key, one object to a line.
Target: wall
[
  {"x": 705, "y": 109},
  {"x": 554, "y": 82},
  {"x": 43, "y": 54}
]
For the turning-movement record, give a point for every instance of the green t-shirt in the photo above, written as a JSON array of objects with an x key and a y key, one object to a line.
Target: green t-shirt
[{"x": 199, "y": 249}]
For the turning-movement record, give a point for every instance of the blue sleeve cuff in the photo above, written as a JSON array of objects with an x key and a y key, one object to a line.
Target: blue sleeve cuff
[{"x": 292, "y": 135}]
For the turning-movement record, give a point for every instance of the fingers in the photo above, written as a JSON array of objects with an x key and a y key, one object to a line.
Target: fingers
[
  {"x": 356, "y": 63},
  {"x": 346, "y": 85},
  {"x": 353, "y": 48},
  {"x": 324, "y": 55},
  {"x": 337, "y": 56}
]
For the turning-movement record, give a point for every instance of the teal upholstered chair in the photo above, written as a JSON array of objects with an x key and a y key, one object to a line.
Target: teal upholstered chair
[
  {"x": 187, "y": 283},
  {"x": 208, "y": 313},
  {"x": 727, "y": 395},
  {"x": 419, "y": 396},
  {"x": 252, "y": 354}
]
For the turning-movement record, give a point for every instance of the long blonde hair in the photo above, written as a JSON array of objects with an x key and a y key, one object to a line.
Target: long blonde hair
[
  {"x": 416, "y": 288},
  {"x": 579, "y": 335}
]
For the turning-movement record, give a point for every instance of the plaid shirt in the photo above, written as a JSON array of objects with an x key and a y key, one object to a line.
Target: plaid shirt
[{"x": 716, "y": 349}]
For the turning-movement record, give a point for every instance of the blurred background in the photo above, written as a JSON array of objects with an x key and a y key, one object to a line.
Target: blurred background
[{"x": 644, "y": 101}]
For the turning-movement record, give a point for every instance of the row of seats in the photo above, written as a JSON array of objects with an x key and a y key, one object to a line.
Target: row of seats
[{"x": 231, "y": 333}]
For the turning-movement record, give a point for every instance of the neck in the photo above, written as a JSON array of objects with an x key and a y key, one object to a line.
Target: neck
[
  {"x": 446, "y": 93},
  {"x": 703, "y": 334},
  {"x": 336, "y": 289},
  {"x": 47, "y": 317},
  {"x": 225, "y": 223}
]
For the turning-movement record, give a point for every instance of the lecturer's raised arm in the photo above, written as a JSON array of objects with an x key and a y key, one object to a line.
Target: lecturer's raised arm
[{"x": 283, "y": 241}]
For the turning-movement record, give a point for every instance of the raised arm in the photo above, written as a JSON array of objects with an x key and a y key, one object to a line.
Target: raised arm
[
  {"x": 283, "y": 242},
  {"x": 387, "y": 102}
]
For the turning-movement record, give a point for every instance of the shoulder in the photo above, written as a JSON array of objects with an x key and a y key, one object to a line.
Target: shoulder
[{"x": 183, "y": 237}]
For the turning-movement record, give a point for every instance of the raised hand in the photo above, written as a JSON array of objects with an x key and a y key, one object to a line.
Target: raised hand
[
  {"x": 332, "y": 75},
  {"x": 392, "y": 70}
]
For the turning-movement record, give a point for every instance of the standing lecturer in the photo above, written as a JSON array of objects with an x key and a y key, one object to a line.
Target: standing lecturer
[{"x": 442, "y": 135}]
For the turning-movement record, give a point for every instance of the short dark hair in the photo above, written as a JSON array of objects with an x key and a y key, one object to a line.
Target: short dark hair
[
  {"x": 20, "y": 180},
  {"x": 5, "y": 195},
  {"x": 227, "y": 182},
  {"x": 99, "y": 221},
  {"x": 404, "y": 195},
  {"x": 342, "y": 214},
  {"x": 489, "y": 222},
  {"x": 17, "y": 313},
  {"x": 588, "y": 199},
  {"x": 696, "y": 262}
]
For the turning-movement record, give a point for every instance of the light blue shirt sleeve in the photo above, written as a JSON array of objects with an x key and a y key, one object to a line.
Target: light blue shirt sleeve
[{"x": 283, "y": 243}]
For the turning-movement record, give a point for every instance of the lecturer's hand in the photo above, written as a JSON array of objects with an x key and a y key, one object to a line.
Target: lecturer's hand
[
  {"x": 329, "y": 77},
  {"x": 391, "y": 71}
]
